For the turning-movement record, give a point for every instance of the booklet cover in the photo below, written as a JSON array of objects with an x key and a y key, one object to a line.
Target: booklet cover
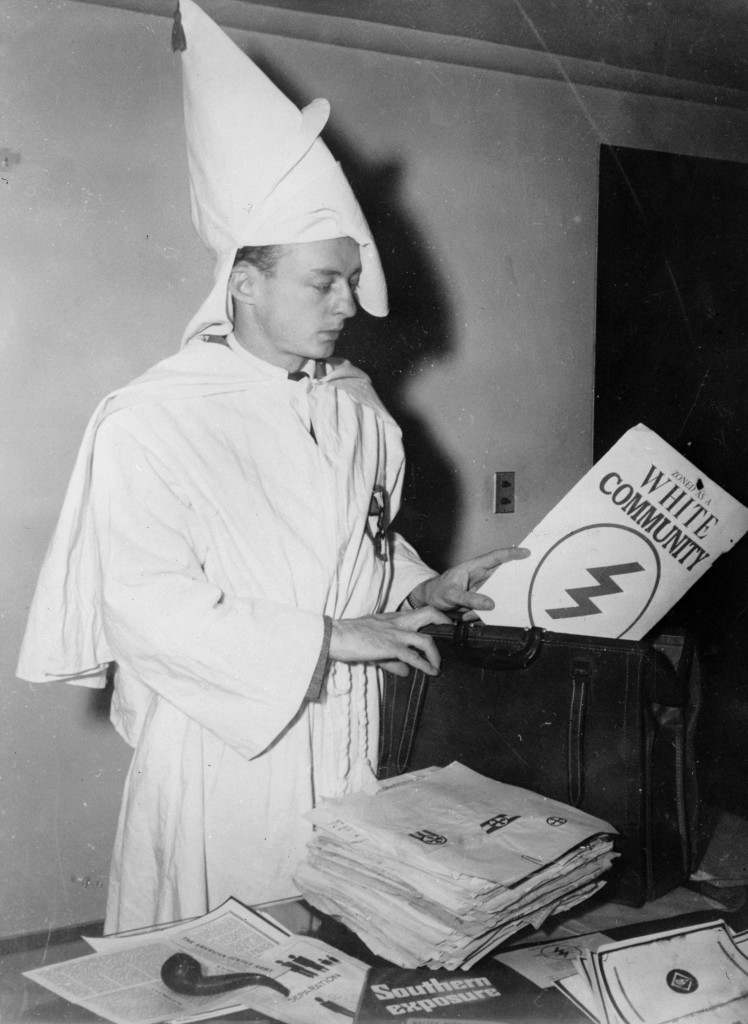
[
  {"x": 621, "y": 548},
  {"x": 415, "y": 996}
]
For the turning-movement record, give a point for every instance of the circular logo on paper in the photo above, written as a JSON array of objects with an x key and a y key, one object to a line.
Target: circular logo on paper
[
  {"x": 598, "y": 580},
  {"x": 681, "y": 981},
  {"x": 498, "y": 821}
]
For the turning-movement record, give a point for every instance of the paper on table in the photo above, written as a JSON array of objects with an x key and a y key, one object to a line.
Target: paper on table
[
  {"x": 124, "y": 985},
  {"x": 547, "y": 962},
  {"x": 221, "y": 925},
  {"x": 621, "y": 547},
  {"x": 696, "y": 974},
  {"x": 577, "y": 991}
]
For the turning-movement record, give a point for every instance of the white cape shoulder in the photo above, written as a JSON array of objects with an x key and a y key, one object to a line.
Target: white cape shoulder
[
  {"x": 347, "y": 377},
  {"x": 64, "y": 638}
]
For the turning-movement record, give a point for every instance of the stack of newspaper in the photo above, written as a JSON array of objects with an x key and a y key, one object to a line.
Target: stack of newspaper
[{"x": 439, "y": 866}]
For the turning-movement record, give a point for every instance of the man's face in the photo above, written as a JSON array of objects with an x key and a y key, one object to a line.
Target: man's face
[{"x": 297, "y": 311}]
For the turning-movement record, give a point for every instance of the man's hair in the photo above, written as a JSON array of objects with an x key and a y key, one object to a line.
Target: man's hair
[{"x": 264, "y": 257}]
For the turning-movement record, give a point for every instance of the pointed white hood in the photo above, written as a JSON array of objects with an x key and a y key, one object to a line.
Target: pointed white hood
[{"x": 259, "y": 173}]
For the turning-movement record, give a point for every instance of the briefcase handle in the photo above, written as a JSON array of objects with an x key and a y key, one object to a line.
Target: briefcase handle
[{"x": 484, "y": 657}]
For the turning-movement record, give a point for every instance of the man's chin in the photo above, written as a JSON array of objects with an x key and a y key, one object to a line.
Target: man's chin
[{"x": 326, "y": 342}]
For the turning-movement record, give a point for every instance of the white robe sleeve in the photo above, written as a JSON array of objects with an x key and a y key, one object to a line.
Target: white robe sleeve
[{"x": 238, "y": 666}]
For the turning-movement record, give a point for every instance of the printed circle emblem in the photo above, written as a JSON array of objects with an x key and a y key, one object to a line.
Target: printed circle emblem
[
  {"x": 681, "y": 981},
  {"x": 598, "y": 580},
  {"x": 498, "y": 821}
]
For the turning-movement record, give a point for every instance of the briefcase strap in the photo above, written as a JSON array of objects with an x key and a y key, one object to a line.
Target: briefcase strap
[
  {"x": 581, "y": 674},
  {"x": 401, "y": 709}
]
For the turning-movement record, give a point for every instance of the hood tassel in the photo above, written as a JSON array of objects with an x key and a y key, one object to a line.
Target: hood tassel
[{"x": 178, "y": 38}]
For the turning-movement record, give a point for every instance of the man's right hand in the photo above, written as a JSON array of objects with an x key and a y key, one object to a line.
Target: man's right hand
[{"x": 391, "y": 640}]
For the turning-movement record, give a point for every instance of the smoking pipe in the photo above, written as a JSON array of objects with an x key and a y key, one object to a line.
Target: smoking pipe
[{"x": 183, "y": 974}]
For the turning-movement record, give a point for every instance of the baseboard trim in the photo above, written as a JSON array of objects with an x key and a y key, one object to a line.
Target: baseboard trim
[{"x": 49, "y": 937}]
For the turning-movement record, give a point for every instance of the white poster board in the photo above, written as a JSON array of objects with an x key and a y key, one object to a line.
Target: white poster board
[{"x": 621, "y": 547}]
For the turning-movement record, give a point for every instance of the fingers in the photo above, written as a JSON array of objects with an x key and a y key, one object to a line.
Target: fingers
[
  {"x": 396, "y": 668},
  {"x": 420, "y": 617},
  {"x": 479, "y": 602},
  {"x": 470, "y": 616},
  {"x": 422, "y": 653},
  {"x": 491, "y": 559},
  {"x": 515, "y": 553},
  {"x": 457, "y": 598},
  {"x": 391, "y": 640},
  {"x": 413, "y": 651}
]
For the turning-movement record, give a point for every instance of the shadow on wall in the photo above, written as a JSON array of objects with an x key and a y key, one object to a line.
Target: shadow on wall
[
  {"x": 395, "y": 349},
  {"x": 416, "y": 333}
]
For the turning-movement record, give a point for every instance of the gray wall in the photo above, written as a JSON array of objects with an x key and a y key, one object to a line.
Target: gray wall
[{"x": 482, "y": 187}]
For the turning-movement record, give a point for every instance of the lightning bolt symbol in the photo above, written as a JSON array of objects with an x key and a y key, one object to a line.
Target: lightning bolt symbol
[{"x": 582, "y": 596}]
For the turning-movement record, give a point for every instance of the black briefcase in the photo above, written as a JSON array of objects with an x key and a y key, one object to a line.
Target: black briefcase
[{"x": 604, "y": 725}]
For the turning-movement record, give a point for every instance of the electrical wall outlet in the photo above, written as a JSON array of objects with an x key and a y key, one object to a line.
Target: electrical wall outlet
[{"x": 503, "y": 491}]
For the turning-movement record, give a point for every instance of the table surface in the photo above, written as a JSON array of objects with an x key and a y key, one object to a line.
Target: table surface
[{"x": 22, "y": 1001}]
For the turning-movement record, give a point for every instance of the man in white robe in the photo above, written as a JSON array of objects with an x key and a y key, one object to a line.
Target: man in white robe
[{"x": 225, "y": 542}]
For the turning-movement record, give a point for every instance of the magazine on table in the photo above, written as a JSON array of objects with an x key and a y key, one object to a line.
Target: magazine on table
[{"x": 297, "y": 979}]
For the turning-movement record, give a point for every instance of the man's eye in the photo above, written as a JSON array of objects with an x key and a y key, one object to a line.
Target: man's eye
[{"x": 323, "y": 287}]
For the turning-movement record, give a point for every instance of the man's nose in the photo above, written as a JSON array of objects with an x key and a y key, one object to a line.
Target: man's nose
[{"x": 345, "y": 300}]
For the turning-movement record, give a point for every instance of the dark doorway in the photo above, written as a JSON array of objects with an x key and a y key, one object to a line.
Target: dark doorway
[{"x": 672, "y": 353}]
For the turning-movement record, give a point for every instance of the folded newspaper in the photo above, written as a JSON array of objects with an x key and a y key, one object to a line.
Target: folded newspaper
[
  {"x": 314, "y": 983},
  {"x": 696, "y": 974},
  {"x": 621, "y": 548},
  {"x": 440, "y": 866}
]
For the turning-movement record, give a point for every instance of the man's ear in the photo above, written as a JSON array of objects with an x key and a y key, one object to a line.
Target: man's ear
[{"x": 243, "y": 282}]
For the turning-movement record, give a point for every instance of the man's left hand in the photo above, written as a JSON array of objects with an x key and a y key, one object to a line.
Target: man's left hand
[{"x": 454, "y": 591}]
